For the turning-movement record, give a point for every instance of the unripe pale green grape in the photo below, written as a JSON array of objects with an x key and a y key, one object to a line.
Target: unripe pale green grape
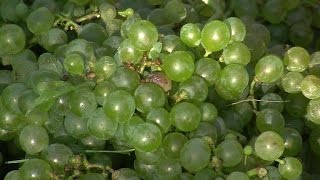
[
  {"x": 161, "y": 117},
  {"x": 105, "y": 67},
  {"x": 291, "y": 169},
  {"x": 264, "y": 104},
  {"x": 209, "y": 69},
  {"x": 237, "y": 176},
  {"x": 93, "y": 32},
  {"x": 269, "y": 69},
  {"x": 190, "y": 34},
  {"x": 292, "y": 141},
  {"x": 237, "y": 28},
  {"x": 40, "y": 20},
  {"x": 270, "y": 119},
  {"x": 13, "y": 175},
  {"x": 12, "y": 39},
  {"x": 74, "y": 64},
  {"x": 33, "y": 139},
  {"x": 172, "y": 144},
  {"x": 35, "y": 169},
  {"x": 236, "y": 53},
  {"x": 269, "y": 146},
  {"x": 310, "y": 87},
  {"x": 57, "y": 155},
  {"x": 83, "y": 102},
  {"x": 230, "y": 152},
  {"x": 196, "y": 88},
  {"x": 291, "y": 82},
  {"x": 296, "y": 59},
  {"x": 185, "y": 116},
  {"x": 313, "y": 111}
]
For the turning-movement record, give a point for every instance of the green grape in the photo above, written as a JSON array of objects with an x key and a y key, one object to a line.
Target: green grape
[
  {"x": 90, "y": 176},
  {"x": 296, "y": 105},
  {"x": 100, "y": 159},
  {"x": 168, "y": 168},
  {"x": 310, "y": 87},
  {"x": 5, "y": 79},
  {"x": 125, "y": 173},
  {"x": 232, "y": 120},
  {"x": 291, "y": 168},
  {"x": 102, "y": 90},
  {"x": 238, "y": 176},
  {"x": 269, "y": 146},
  {"x": 175, "y": 11},
  {"x": 10, "y": 121},
  {"x": 264, "y": 104},
  {"x": 105, "y": 67},
  {"x": 245, "y": 8},
  {"x": 107, "y": 12},
  {"x": 209, "y": 69},
  {"x": 195, "y": 155},
  {"x": 8, "y": 10},
  {"x": 230, "y": 152},
  {"x": 37, "y": 117},
  {"x": 171, "y": 43},
  {"x": 314, "y": 140},
  {"x": 237, "y": 28},
  {"x": 261, "y": 31},
  {"x": 292, "y": 141},
  {"x": 190, "y": 35},
  {"x": 6, "y": 135},
  {"x": 205, "y": 130},
  {"x": 40, "y": 20},
  {"x": 151, "y": 158},
  {"x": 186, "y": 176},
  {"x": 272, "y": 173},
  {"x": 215, "y": 36},
  {"x": 74, "y": 64},
  {"x": 83, "y": 102},
  {"x": 278, "y": 32},
  {"x": 21, "y": 10},
  {"x": 80, "y": 2},
  {"x": 274, "y": 11},
  {"x": 49, "y": 62},
  {"x": 232, "y": 82},
  {"x": 195, "y": 87},
  {"x": 205, "y": 174},
  {"x": 236, "y": 53},
  {"x": 149, "y": 96},
  {"x": 82, "y": 47},
  {"x": 291, "y": 82},
  {"x": 270, "y": 119},
  {"x": 128, "y": 54},
  {"x": 209, "y": 112},
  {"x": 178, "y": 66},
  {"x": 33, "y": 139},
  {"x": 146, "y": 171},
  {"x": 101, "y": 126},
  {"x": 296, "y": 59},
  {"x": 146, "y": 137},
  {"x": 160, "y": 117},
  {"x": 314, "y": 67},
  {"x": 299, "y": 14},
  {"x": 76, "y": 126},
  {"x": 143, "y": 35},
  {"x": 172, "y": 144},
  {"x": 35, "y": 169},
  {"x": 52, "y": 39},
  {"x": 313, "y": 111},
  {"x": 12, "y": 39},
  {"x": 156, "y": 17},
  {"x": 301, "y": 34},
  {"x": 57, "y": 155},
  {"x": 126, "y": 79},
  {"x": 256, "y": 46},
  {"x": 61, "y": 105},
  {"x": 38, "y": 77},
  {"x": 269, "y": 69},
  {"x": 119, "y": 106},
  {"x": 185, "y": 116},
  {"x": 91, "y": 142},
  {"x": 245, "y": 112},
  {"x": 13, "y": 175},
  {"x": 93, "y": 32},
  {"x": 54, "y": 122}
]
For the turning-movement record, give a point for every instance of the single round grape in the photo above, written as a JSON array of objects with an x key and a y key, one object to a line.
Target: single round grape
[
  {"x": 40, "y": 20},
  {"x": 186, "y": 176},
  {"x": 83, "y": 102},
  {"x": 37, "y": 117},
  {"x": 57, "y": 155},
  {"x": 130, "y": 125},
  {"x": 156, "y": 17},
  {"x": 190, "y": 35},
  {"x": 185, "y": 116},
  {"x": 196, "y": 89},
  {"x": 209, "y": 69},
  {"x": 291, "y": 82},
  {"x": 48, "y": 61},
  {"x": 209, "y": 112},
  {"x": 102, "y": 90},
  {"x": 107, "y": 12},
  {"x": 126, "y": 79},
  {"x": 236, "y": 53},
  {"x": 292, "y": 141},
  {"x": 143, "y": 35},
  {"x": 269, "y": 119},
  {"x": 238, "y": 176},
  {"x": 168, "y": 167},
  {"x": 12, "y": 39},
  {"x": 101, "y": 126},
  {"x": 10, "y": 96},
  {"x": 13, "y": 175},
  {"x": 296, "y": 59},
  {"x": 310, "y": 87},
  {"x": 128, "y": 54},
  {"x": 178, "y": 66},
  {"x": 215, "y": 36},
  {"x": 265, "y": 102},
  {"x": 314, "y": 65},
  {"x": 269, "y": 69},
  {"x": 237, "y": 28},
  {"x": 105, "y": 67},
  {"x": 269, "y": 146},
  {"x": 171, "y": 43},
  {"x": 175, "y": 11},
  {"x": 205, "y": 174},
  {"x": 76, "y": 126},
  {"x": 91, "y": 142},
  {"x": 232, "y": 82},
  {"x": 256, "y": 46},
  {"x": 11, "y": 121},
  {"x": 205, "y": 130},
  {"x": 172, "y": 144},
  {"x": 35, "y": 169},
  {"x": 195, "y": 155},
  {"x": 246, "y": 8},
  {"x": 33, "y": 139},
  {"x": 151, "y": 158},
  {"x": 160, "y": 117},
  {"x": 52, "y": 39},
  {"x": 125, "y": 173},
  {"x": 146, "y": 137},
  {"x": 274, "y": 11},
  {"x": 93, "y": 32},
  {"x": 230, "y": 152},
  {"x": 313, "y": 111},
  {"x": 296, "y": 105},
  {"x": 74, "y": 64},
  {"x": 291, "y": 168},
  {"x": 119, "y": 106},
  {"x": 146, "y": 171},
  {"x": 301, "y": 34},
  {"x": 149, "y": 96}
]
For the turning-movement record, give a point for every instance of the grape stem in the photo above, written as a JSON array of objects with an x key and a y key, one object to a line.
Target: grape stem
[
  {"x": 257, "y": 100},
  {"x": 280, "y": 161},
  {"x": 106, "y": 151},
  {"x": 259, "y": 171},
  {"x": 17, "y": 161},
  {"x": 90, "y": 16},
  {"x": 240, "y": 136}
]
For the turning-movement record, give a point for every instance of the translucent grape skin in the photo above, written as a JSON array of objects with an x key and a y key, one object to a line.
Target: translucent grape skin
[
  {"x": 296, "y": 59},
  {"x": 12, "y": 39},
  {"x": 74, "y": 64},
  {"x": 291, "y": 82},
  {"x": 313, "y": 111},
  {"x": 310, "y": 87},
  {"x": 35, "y": 169},
  {"x": 215, "y": 36},
  {"x": 190, "y": 34},
  {"x": 40, "y": 20},
  {"x": 172, "y": 144},
  {"x": 237, "y": 27},
  {"x": 230, "y": 152},
  {"x": 236, "y": 53},
  {"x": 161, "y": 117},
  {"x": 238, "y": 176},
  {"x": 13, "y": 175},
  {"x": 270, "y": 120},
  {"x": 185, "y": 116},
  {"x": 269, "y": 146},
  {"x": 209, "y": 69},
  {"x": 33, "y": 139},
  {"x": 292, "y": 141},
  {"x": 269, "y": 69},
  {"x": 290, "y": 168}
]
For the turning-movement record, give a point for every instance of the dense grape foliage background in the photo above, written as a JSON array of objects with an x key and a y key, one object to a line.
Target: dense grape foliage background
[{"x": 160, "y": 89}]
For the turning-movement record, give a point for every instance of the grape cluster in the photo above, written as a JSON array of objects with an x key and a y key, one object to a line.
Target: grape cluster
[{"x": 160, "y": 89}]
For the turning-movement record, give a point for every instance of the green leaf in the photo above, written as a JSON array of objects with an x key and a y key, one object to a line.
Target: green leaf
[{"x": 155, "y": 51}]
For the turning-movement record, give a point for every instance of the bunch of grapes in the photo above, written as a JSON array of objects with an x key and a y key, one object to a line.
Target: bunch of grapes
[{"x": 160, "y": 89}]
